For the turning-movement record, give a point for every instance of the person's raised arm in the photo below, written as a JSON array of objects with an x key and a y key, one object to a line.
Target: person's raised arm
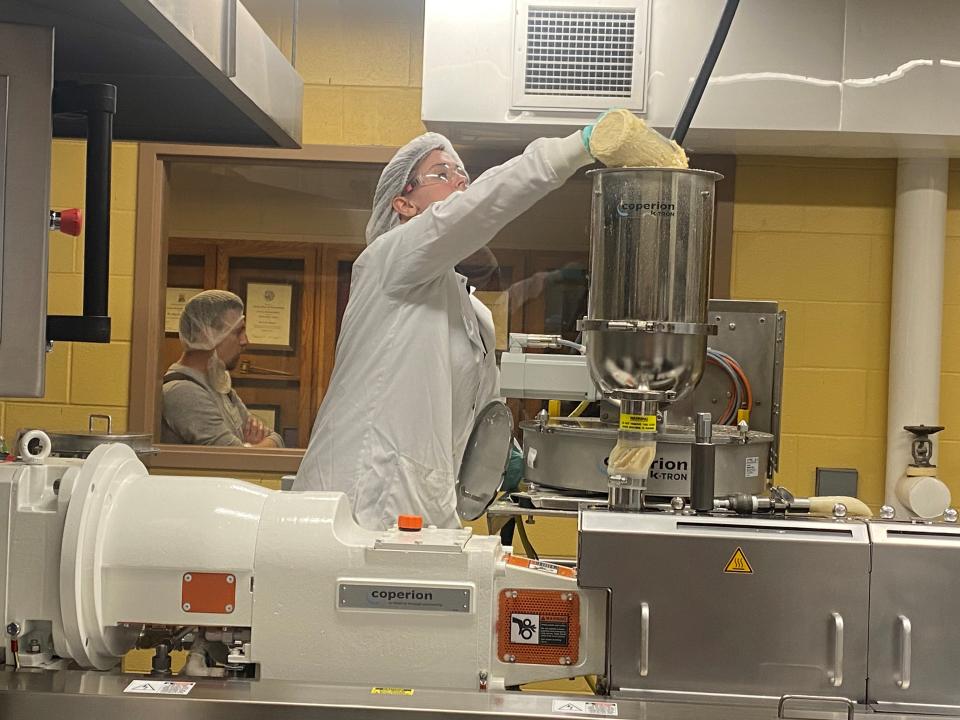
[{"x": 450, "y": 230}]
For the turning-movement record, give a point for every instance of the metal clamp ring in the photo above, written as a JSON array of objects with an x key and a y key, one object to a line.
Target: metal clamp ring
[
  {"x": 647, "y": 326},
  {"x": 651, "y": 395}
]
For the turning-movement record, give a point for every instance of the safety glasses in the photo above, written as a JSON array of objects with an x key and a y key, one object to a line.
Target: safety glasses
[{"x": 435, "y": 175}]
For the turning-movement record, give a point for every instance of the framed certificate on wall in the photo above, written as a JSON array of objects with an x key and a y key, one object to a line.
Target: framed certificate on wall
[
  {"x": 271, "y": 316},
  {"x": 177, "y": 299},
  {"x": 268, "y": 414}
]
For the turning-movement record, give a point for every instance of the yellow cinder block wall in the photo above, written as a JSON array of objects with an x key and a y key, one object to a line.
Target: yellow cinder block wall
[
  {"x": 360, "y": 61},
  {"x": 817, "y": 235},
  {"x": 949, "y": 455}
]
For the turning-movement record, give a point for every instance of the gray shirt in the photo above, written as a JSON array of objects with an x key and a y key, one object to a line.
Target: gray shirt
[{"x": 196, "y": 414}]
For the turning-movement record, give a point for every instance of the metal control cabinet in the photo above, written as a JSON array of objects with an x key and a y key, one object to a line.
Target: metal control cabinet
[
  {"x": 915, "y": 615},
  {"x": 26, "y": 84},
  {"x": 731, "y": 605}
]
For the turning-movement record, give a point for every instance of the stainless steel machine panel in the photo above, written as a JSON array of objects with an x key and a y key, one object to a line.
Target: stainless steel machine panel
[
  {"x": 731, "y": 605},
  {"x": 26, "y": 82},
  {"x": 915, "y": 614},
  {"x": 754, "y": 333}
]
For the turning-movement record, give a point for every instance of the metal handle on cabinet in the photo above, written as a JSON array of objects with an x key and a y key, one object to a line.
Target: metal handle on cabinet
[
  {"x": 94, "y": 416},
  {"x": 851, "y": 706},
  {"x": 905, "y": 651},
  {"x": 644, "y": 639},
  {"x": 230, "y": 40},
  {"x": 836, "y": 675}
]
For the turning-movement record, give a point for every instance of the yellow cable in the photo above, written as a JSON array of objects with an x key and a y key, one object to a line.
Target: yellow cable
[
  {"x": 553, "y": 407},
  {"x": 579, "y": 409}
]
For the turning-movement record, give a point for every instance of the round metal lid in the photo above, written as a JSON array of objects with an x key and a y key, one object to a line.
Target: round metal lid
[
  {"x": 81, "y": 444},
  {"x": 484, "y": 460}
]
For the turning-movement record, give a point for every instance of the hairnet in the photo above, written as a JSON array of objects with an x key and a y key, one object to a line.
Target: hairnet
[
  {"x": 204, "y": 322},
  {"x": 398, "y": 173}
]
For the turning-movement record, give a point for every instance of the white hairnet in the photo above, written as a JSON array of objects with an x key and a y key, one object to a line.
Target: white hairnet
[
  {"x": 206, "y": 319},
  {"x": 396, "y": 175}
]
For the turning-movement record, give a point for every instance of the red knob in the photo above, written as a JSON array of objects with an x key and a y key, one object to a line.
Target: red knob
[
  {"x": 410, "y": 523},
  {"x": 71, "y": 221}
]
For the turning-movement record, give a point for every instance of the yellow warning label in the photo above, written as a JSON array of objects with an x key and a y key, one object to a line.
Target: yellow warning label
[
  {"x": 640, "y": 423},
  {"x": 738, "y": 563},
  {"x": 390, "y": 691}
]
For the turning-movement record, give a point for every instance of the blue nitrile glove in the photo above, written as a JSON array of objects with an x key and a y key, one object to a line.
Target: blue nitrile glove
[
  {"x": 514, "y": 471},
  {"x": 585, "y": 136}
]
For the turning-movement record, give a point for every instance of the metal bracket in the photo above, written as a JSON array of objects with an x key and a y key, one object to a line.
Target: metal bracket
[
  {"x": 774, "y": 465},
  {"x": 851, "y": 706},
  {"x": 647, "y": 326}
]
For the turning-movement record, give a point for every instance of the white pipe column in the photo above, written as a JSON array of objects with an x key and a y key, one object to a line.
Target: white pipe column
[{"x": 916, "y": 310}]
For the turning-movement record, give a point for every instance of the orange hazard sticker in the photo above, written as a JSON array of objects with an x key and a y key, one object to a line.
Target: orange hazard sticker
[{"x": 738, "y": 564}]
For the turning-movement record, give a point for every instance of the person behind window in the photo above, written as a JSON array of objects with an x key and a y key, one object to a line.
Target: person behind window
[
  {"x": 199, "y": 405},
  {"x": 415, "y": 361}
]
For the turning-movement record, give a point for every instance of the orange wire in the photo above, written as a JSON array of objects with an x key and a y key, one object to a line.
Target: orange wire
[
  {"x": 730, "y": 402},
  {"x": 746, "y": 383}
]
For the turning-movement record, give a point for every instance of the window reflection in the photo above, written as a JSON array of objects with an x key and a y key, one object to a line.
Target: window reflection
[{"x": 295, "y": 230}]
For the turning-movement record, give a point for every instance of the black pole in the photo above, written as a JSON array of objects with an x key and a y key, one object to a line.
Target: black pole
[
  {"x": 703, "y": 465},
  {"x": 96, "y": 247},
  {"x": 700, "y": 83},
  {"x": 98, "y": 104}
]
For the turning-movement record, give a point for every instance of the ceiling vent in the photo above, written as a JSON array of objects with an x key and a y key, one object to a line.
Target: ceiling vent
[{"x": 578, "y": 56}]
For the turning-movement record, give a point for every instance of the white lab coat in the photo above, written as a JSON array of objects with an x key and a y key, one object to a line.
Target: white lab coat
[{"x": 387, "y": 433}]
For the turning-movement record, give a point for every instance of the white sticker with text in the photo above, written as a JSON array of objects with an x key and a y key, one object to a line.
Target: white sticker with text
[
  {"x": 581, "y": 707},
  {"x": 158, "y": 687}
]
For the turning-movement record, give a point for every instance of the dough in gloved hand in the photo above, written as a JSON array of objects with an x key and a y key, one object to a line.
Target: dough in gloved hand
[{"x": 621, "y": 139}]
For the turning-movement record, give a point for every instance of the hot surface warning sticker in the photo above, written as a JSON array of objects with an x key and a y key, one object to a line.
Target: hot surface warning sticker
[{"x": 738, "y": 564}]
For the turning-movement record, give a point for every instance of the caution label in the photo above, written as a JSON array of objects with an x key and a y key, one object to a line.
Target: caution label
[
  {"x": 738, "y": 564},
  {"x": 541, "y": 566},
  {"x": 156, "y": 687},
  {"x": 581, "y": 707},
  {"x": 390, "y": 691},
  {"x": 638, "y": 423}
]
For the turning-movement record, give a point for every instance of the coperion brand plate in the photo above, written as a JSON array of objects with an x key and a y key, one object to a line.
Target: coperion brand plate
[{"x": 403, "y": 598}]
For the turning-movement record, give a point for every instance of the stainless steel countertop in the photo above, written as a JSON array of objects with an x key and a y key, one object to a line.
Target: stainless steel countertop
[{"x": 85, "y": 695}]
